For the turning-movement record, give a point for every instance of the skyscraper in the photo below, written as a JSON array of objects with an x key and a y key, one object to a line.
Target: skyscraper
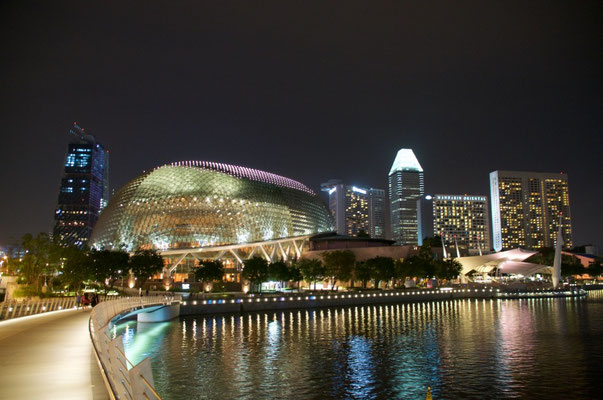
[
  {"x": 377, "y": 213},
  {"x": 84, "y": 188},
  {"x": 406, "y": 186},
  {"x": 527, "y": 207},
  {"x": 458, "y": 219},
  {"x": 356, "y": 209}
]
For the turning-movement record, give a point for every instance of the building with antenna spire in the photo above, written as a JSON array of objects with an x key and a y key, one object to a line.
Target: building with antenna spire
[{"x": 84, "y": 189}]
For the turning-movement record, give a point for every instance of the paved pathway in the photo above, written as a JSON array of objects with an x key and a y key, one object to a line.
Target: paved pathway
[{"x": 49, "y": 356}]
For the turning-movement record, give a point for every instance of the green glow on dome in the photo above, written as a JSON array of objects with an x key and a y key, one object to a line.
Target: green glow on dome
[
  {"x": 405, "y": 161},
  {"x": 196, "y": 204}
]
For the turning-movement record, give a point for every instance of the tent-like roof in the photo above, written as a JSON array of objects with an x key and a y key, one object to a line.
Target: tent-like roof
[
  {"x": 524, "y": 268},
  {"x": 509, "y": 262}
]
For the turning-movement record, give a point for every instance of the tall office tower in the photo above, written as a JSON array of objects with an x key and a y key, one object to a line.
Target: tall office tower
[
  {"x": 527, "y": 207},
  {"x": 84, "y": 188},
  {"x": 356, "y": 209},
  {"x": 458, "y": 219},
  {"x": 406, "y": 186},
  {"x": 377, "y": 213}
]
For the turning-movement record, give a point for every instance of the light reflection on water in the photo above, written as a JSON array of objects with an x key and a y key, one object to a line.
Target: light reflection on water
[{"x": 538, "y": 348}]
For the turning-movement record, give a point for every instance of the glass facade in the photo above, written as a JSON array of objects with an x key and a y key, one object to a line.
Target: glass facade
[
  {"x": 356, "y": 209},
  {"x": 84, "y": 189},
  {"x": 406, "y": 186},
  {"x": 195, "y": 204}
]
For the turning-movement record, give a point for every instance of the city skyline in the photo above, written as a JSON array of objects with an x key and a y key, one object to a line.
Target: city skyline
[{"x": 346, "y": 99}]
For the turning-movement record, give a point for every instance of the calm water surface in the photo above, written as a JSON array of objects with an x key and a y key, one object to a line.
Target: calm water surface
[{"x": 463, "y": 349}]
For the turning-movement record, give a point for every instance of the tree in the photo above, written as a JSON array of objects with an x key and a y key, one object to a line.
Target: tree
[
  {"x": 144, "y": 263},
  {"x": 382, "y": 268},
  {"x": 41, "y": 259},
  {"x": 295, "y": 274},
  {"x": 595, "y": 268},
  {"x": 362, "y": 234},
  {"x": 435, "y": 241},
  {"x": 448, "y": 269},
  {"x": 209, "y": 271},
  {"x": 402, "y": 269},
  {"x": 570, "y": 265},
  {"x": 363, "y": 271},
  {"x": 339, "y": 265},
  {"x": 279, "y": 272},
  {"x": 256, "y": 271},
  {"x": 108, "y": 266},
  {"x": 312, "y": 270},
  {"x": 76, "y": 268},
  {"x": 423, "y": 264}
]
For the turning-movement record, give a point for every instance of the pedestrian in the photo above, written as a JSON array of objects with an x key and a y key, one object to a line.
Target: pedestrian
[
  {"x": 85, "y": 301},
  {"x": 78, "y": 300}
]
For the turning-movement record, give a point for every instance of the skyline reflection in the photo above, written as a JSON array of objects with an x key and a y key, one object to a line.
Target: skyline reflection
[{"x": 461, "y": 348}]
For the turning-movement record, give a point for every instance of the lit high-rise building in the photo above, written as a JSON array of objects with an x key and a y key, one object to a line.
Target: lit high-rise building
[
  {"x": 458, "y": 219},
  {"x": 377, "y": 213},
  {"x": 526, "y": 209},
  {"x": 406, "y": 186},
  {"x": 84, "y": 188},
  {"x": 356, "y": 209}
]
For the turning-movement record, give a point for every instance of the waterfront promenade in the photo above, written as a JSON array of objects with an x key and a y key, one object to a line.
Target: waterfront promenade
[{"x": 49, "y": 356}]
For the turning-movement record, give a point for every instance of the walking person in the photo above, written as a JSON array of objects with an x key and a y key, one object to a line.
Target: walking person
[
  {"x": 78, "y": 300},
  {"x": 85, "y": 301}
]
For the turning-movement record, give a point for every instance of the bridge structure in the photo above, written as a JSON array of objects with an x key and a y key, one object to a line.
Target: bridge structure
[{"x": 122, "y": 378}]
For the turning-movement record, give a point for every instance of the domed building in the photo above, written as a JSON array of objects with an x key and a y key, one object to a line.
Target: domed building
[{"x": 196, "y": 210}]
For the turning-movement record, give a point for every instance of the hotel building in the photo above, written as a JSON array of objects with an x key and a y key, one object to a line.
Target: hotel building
[
  {"x": 527, "y": 208},
  {"x": 458, "y": 219}
]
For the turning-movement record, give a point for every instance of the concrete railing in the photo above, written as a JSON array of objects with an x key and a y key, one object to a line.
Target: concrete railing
[
  {"x": 123, "y": 379},
  {"x": 15, "y": 309}
]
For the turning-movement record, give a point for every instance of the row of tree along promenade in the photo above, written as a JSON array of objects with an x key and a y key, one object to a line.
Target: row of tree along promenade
[{"x": 48, "y": 269}]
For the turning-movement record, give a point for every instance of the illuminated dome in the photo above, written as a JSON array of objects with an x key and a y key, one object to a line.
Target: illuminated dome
[{"x": 196, "y": 204}]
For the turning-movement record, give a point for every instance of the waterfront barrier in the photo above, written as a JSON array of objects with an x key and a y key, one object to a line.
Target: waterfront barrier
[
  {"x": 15, "y": 309},
  {"x": 317, "y": 300},
  {"x": 123, "y": 379},
  {"x": 329, "y": 299}
]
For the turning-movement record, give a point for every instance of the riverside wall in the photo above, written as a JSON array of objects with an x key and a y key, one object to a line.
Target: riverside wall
[{"x": 303, "y": 301}]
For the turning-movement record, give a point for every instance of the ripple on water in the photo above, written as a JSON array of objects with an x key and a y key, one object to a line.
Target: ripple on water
[{"x": 498, "y": 349}]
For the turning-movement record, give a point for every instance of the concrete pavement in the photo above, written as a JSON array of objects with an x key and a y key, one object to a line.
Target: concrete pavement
[{"x": 49, "y": 356}]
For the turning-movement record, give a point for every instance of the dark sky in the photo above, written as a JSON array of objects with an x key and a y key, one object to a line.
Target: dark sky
[{"x": 308, "y": 90}]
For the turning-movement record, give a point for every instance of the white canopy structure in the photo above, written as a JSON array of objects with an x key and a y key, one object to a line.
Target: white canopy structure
[{"x": 506, "y": 262}]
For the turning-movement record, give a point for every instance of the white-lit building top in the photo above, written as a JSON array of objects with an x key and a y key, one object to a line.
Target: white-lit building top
[{"x": 405, "y": 161}]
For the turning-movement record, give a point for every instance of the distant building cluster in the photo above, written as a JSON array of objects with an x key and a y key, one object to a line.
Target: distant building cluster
[
  {"x": 205, "y": 204},
  {"x": 526, "y": 211}
]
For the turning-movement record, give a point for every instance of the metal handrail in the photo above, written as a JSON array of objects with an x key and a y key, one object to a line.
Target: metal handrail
[
  {"x": 15, "y": 309},
  {"x": 100, "y": 322},
  {"x": 149, "y": 386}
]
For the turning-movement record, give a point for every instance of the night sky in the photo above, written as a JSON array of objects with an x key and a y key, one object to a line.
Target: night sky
[{"x": 308, "y": 90}]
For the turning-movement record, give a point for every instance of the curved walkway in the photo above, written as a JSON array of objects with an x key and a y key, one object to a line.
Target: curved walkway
[{"x": 49, "y": 356}]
